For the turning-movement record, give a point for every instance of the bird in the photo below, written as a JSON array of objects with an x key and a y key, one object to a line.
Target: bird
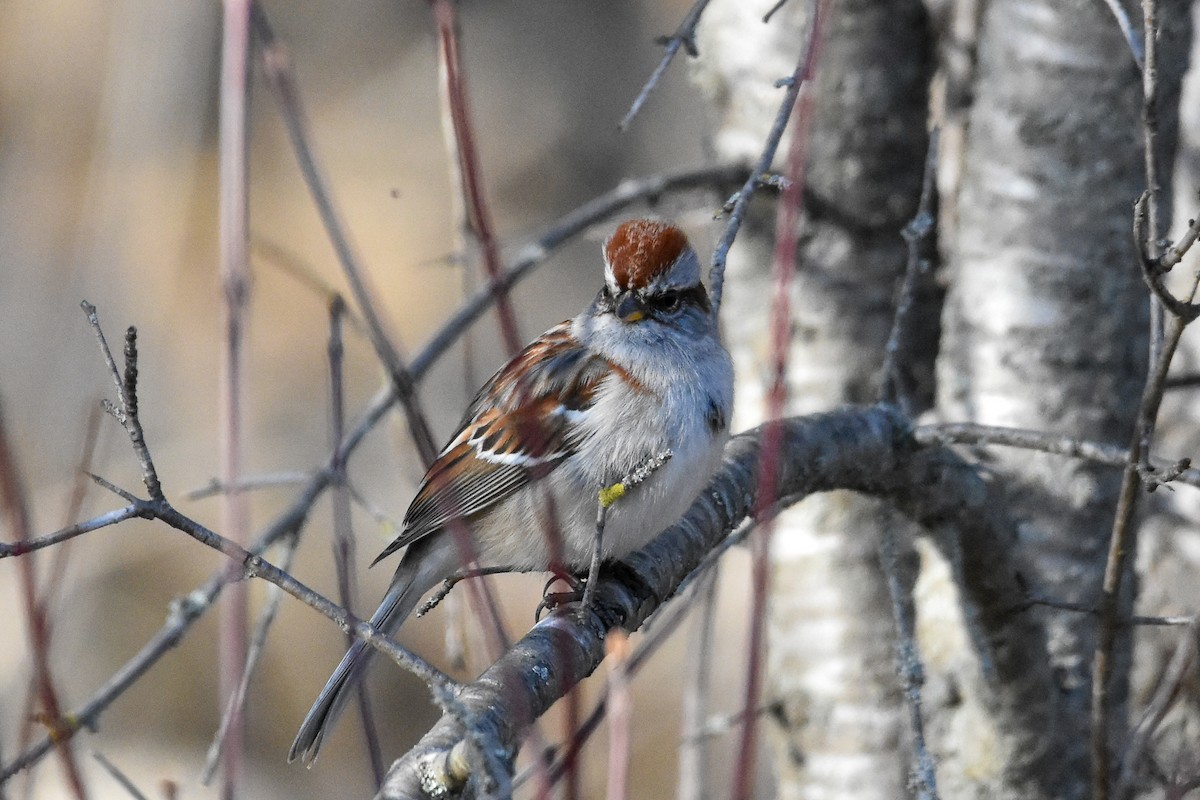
[{"x": 640, "y": 374}]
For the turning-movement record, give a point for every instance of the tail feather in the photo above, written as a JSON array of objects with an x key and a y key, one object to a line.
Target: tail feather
[{"x": 417, "y": 573}]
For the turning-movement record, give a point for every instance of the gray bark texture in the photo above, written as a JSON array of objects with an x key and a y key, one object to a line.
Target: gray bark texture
[
  {"x": 1046, "y": 320},
  {"x": 842, "y": 729}
]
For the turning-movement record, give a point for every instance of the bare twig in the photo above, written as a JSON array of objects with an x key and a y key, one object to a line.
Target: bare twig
[
  {"x": 1169, "y": 686},
  {"x": 908, "y": 654},
  {"x": 119, "y": 776},
  {"x": 187, "y": 611},
  {"x": 343, "y": 535},
  {"x": 1162, "y": 349},
  {"x": 126, "y": 393},
  {"x": 1152, "y": 272},
  {"x": 1121, "y": 542},
  {"x": 277, "y": 66},
  {"x": 21, "y": 547},
  {"x": 987, "y": 435},
  {"x": 741, "y": 201},
  {"x": 915, "y": 233},
  {"x": 258, "y": 642},
  {"x": 1084, "y": 608},
  {"x": 620, "y": 715},
  {"x": 787, "y": 221},
  {"x": 1174, "y": 253},
  {"x": 233, "y": 219},
  {"x": 267, "y": 480},
  {"x": 685, "y": 37},
  {"x": 479, "y": 215},
  {"x": 1189, "y": 380},
  {"x": 693, "y": 751},
  {"x": 773, "y": 10},
  {"x": 15, "y": 510}
]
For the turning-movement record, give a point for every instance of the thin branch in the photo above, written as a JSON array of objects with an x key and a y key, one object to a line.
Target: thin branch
[
  {"x": 693, "y": 751},
  {"x": 908, "y": 654},
  {"x": 1175, "y": 253},
  {"x": 128, "y": 416},
  {"x": 13, "y": 506},
  {"x": 916, "y": 234},
  {"x": 1121, "y": 542},
  {"x": 119, "y": 776},
  {"x": 1152, "y": 273},
  {"x": 344, "y": 550},
  {"x": 773, "y": 10},
  {"x": 233, "y": 233},
  {"x": 277, "y": 66},
  {"x": 986, "y": 435},
  {"x": 741, "y": 200},
  {"x": 620, "y": 715},
  {"x": 1168, "y": 691},
  {"x": 1084, "y": 608},
  {"x": 479, "y": 214},
  {"x": 685, "y": 37},
  {"x": 787, "y": 222},
  {"x": 258, "y": 642},
  {"x": 267, "y": 480},
  {"x": 21, "y": 547},
  {"x": 1189, "y": 380}
]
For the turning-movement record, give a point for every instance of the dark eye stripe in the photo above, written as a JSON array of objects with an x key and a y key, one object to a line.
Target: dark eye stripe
[{"x": 672, "y": 299}]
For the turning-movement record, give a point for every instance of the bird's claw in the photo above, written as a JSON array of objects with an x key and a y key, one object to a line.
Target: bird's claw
[{"x": 554, "y": 600}]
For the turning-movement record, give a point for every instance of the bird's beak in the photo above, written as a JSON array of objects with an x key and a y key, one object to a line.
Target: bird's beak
[{"x": 629, "y": 308}]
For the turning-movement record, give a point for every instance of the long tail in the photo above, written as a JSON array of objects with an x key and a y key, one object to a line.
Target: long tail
[{"x": 419, "y": 571}]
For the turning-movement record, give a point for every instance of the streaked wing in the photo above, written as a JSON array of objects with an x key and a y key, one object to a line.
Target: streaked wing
[{"x": 518, "y": 428}]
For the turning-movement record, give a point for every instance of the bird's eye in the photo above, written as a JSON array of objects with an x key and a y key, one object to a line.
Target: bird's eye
[{"x": 667, "y": 301}]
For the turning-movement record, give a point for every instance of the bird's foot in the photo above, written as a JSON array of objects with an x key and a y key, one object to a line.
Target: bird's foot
[{"x": 551, "y": 601}]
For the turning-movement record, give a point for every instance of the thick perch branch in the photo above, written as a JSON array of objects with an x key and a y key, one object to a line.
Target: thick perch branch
[{"x": 870, "y": 450}]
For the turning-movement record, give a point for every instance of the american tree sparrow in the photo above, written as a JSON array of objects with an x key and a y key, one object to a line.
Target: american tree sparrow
[{"x": 640, "y": 372}]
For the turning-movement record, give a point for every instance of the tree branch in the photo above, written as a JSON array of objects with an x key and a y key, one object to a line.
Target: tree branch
[{"x": 865, "y": 449}]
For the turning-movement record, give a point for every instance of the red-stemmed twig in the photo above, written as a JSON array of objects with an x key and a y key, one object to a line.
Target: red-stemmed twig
[
  {"x": 233, "y": 225},
  {"x": 787, "y": 221},
  {"x": 55, "y": 579},
  {"x": 620, "y": 715},
  {"x": 685, "y": 37},
  {"x": 479, "y": 215},
  {"x": 15, "y": 510}
]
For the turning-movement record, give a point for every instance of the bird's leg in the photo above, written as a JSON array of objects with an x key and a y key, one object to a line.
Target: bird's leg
[
  {"x": 607, "y": 497},
  {"x": 552, "y": 600}
]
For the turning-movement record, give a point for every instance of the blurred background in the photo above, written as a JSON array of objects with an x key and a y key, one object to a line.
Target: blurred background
[{"x": 108, "y": 192}]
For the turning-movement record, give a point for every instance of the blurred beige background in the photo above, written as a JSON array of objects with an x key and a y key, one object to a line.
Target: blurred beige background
[{"x": 108, "y": 192}]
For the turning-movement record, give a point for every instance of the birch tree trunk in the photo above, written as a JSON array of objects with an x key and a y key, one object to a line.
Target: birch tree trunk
[
  {"x": 831, "y": 663},
  {"x": 1046, "y": 321}
]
